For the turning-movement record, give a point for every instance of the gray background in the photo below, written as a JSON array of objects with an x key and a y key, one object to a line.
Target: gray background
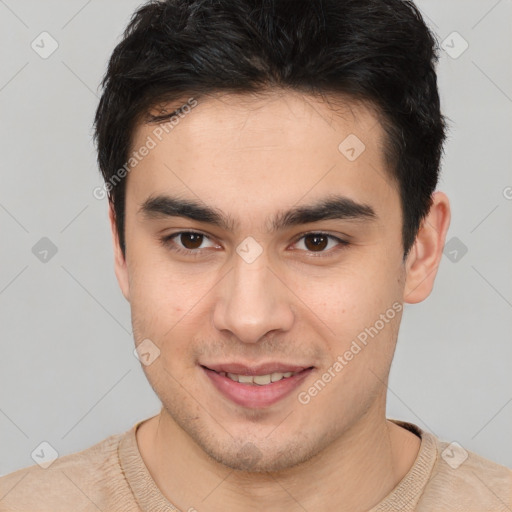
[{"x": 68, "y": 375}]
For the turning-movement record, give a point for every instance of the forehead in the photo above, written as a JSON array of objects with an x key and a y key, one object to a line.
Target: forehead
[
  {"x": 268, "y": 113},
  {"x": 258, "y": 150}
]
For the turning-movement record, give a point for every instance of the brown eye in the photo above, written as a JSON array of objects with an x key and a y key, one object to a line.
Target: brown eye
[
  {"x": 320, "y": 243},
  {"x": 191, "y": 240},
  {"x": 189, "y": 243},
  {"x": 316, "y": 242}
]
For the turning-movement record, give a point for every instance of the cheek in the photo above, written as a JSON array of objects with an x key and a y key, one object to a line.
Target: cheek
[
  {"x": 360, "y": 314},
  {"x": 166, "y": 307},
  {"x": 348, "y": 298},
  {"x": 158, "y": 286}
]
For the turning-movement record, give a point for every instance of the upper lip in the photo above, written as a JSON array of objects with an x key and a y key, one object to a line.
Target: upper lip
[{"x": 257, "y": 369}]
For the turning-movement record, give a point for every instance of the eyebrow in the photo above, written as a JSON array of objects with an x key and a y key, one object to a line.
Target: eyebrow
[{"x": 330, "y": 207}]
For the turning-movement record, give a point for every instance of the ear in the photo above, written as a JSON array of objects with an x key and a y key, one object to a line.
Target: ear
[
  {"x": 120, "y": 266},
  {"x": 425, "y": 255}
]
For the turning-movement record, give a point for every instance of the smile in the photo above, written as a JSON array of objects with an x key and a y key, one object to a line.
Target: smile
[
  {"x": 258, "y": 390},
  {"x": 259, "y": 380}
]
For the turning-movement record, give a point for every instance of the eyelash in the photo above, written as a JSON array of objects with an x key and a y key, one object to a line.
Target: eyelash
[{"x": 168, "y": 242}]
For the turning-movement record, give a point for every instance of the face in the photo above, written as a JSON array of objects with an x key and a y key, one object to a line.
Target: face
[{"x": 237, "y": 285}]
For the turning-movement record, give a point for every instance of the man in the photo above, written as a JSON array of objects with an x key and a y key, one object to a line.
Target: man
[{"x": 271, "y": 168}]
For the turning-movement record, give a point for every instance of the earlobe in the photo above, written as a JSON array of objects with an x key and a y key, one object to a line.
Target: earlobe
[
  {"x": 425, "y": 256},
  {"x": 120, "y": 266}
]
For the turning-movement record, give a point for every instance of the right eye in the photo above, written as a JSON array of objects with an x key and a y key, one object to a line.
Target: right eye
[{"x": 186, "y": 242}]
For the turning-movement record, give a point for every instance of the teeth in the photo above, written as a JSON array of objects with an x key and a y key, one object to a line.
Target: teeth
[{"x": 260, "y": 380}]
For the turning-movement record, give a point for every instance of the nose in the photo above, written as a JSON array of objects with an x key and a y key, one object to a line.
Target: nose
[{"x": 253, "y": 301}]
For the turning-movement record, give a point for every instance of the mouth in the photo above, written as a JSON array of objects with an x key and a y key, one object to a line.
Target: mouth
[{"x": 256, "y": 387}]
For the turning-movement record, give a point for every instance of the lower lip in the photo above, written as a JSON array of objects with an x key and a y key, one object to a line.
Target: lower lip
[{"x": 252, "y": 395}]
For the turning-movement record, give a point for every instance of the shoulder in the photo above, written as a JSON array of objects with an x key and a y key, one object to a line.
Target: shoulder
[
  {"x": 80, "y": 481},
  {"x": 462, "y": 480}
]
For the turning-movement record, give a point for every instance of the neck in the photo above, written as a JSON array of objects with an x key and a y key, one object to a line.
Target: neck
[{"x": 353, "y": 474}]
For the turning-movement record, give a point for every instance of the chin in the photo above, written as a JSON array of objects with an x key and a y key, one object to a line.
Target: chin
[{"x": 253, "y": 459}]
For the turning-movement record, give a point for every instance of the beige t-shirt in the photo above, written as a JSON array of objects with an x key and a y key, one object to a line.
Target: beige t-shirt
[{"x": 111, "y": 476}]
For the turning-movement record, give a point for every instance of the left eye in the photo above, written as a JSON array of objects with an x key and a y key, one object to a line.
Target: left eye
[{"x": 319, "y": 242}]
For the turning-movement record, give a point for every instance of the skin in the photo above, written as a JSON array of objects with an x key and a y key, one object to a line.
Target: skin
[{"x": 252, "y": 157}]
